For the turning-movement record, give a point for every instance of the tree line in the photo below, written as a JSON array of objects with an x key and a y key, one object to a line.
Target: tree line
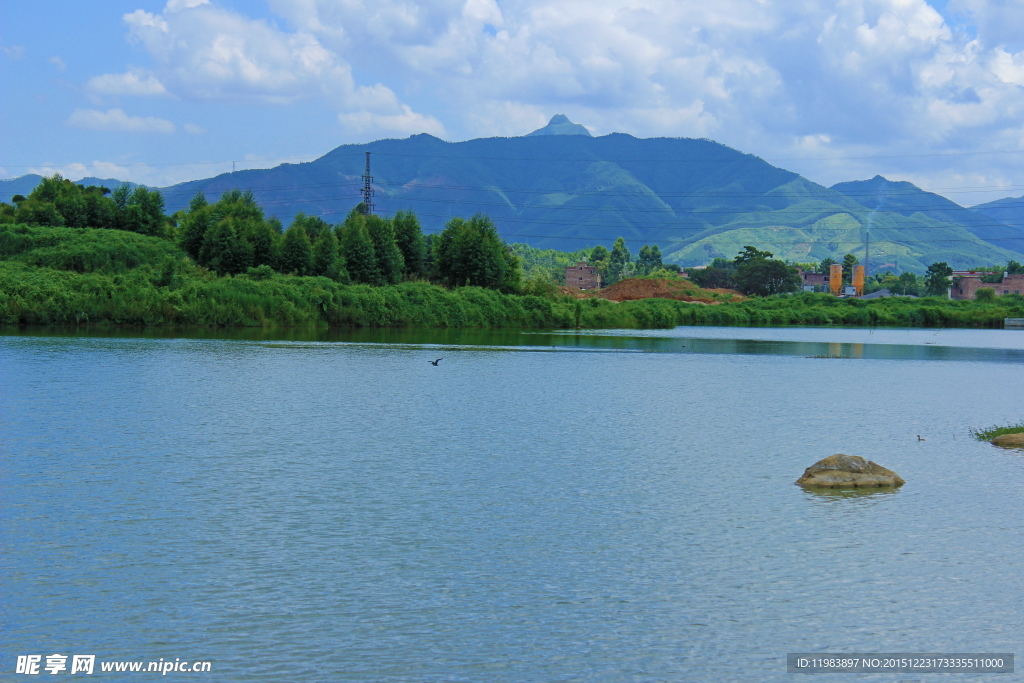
[
  {"x": 753, "y": 272},
  {"x": 233, "y": 236}
]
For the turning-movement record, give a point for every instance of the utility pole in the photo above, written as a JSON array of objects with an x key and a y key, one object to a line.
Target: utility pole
[
  {"x": 867, "y": 253},
  {"x": 368, "y": 187}
]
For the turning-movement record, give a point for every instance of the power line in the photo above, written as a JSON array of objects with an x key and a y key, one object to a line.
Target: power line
[
  {"x": 696, "y": 210},
  {"x": 733, "y": 156}
]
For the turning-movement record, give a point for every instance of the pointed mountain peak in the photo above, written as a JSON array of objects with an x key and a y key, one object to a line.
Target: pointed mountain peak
[
  {"x": 561, "y": 125},
  {"x": 875, "y": 185}
]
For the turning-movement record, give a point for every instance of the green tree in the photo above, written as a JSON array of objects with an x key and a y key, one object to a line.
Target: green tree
[
  {"x": 757, "y": 273},
  {"x": 512, "y": 279},
  {"x": 296, "y": 251},
  {"x": 58, "y": 201},
  {"x": 936, "y": 281},
  {"x": 224, "y": 252},
  {"x": 37, "y": 212},
  {"x": 599, "y": 253},
  {"x": 266, "y": 243},
  {"x": 357, "y": 249},
  {"x": 7, "y": 212},
  {"x": 751, "y": 254},
  {"x": 1014, "y": 268},
  {"x": 471, "y": 253},
  {"x": 711, "y": 277},
  {"x": 194, "y": 225},
  {"x": 389, "y": 258},
  {"x": 984, "y": 294},
  {"x": 649, "y": 260},
  {"x": 66, "y": 198},
  {"x": 849, "y": 261},
  {"x": 889, "y": 281},
  {"x": 144, "y": 212},
  {"x": 825, "y": 265},
  {"x": 618, "y": 260},
  {"x": 409, "y": 240},
  {"x": 600, "y": 258},
  {"x": 313, "y": 225},
  {"x": 908, "y": 283},
  {"x": 428, "y": 256},
  {"x": 327, "y": 257}
]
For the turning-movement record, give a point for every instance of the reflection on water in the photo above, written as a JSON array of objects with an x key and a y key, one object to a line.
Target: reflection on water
[
  {"x": 709, "y": 341},
  {"x": 872, "y": 493}
]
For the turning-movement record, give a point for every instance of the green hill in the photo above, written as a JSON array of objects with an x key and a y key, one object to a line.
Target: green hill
[{"x": 560, "y": 188}]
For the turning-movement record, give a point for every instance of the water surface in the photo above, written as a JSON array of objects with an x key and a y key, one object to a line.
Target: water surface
[{"x": 600, "y": 506}]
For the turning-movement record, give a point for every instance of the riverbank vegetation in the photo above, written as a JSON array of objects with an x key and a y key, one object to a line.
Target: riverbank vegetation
[
  {"x": 987, "y": 434},
  {"x": 59, "y": 275},
  {"x": 226, "y": 264},
  {"x": 52, "y": 275}
]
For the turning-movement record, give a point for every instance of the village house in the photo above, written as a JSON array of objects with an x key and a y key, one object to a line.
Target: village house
[
  {"x": 966, "y": 284},
  {"x": 582, "y": 276},
  {"x": 813, "y": 282}
]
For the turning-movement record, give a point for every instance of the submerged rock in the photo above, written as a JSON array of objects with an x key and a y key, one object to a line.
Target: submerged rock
[
  {"x": 840, "y": 470},
  {"x": 1010, "y": 440}
]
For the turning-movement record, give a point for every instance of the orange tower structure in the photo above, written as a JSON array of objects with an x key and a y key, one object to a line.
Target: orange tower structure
[
  {"x": 858, "y": 280},
  {"x": 835, "y": 278}
]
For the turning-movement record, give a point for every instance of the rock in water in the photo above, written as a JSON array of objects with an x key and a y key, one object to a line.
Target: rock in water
[
  {"x": 840, "y": 470},
  {"x": 1010, "y": 440}
]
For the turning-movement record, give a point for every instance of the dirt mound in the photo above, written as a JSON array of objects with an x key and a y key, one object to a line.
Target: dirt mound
[{"x": 635, "y": 288}]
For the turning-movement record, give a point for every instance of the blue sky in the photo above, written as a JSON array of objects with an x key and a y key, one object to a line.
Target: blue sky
[{"x": 165, "y": 91}]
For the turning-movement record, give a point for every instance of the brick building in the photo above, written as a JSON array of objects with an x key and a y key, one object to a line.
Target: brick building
[
  {"x": 583, "y": 276},
  {"x": 813, "y": 281},
  {"x": 967, "y": 283}
]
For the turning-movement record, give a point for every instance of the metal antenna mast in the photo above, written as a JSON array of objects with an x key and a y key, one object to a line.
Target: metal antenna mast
[
  {"x": 368, "y": 187},
  {"x": 867, "y": 252}
]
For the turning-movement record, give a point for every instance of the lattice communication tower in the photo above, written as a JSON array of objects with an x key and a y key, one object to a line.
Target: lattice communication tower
[{"x": 368, "y": 187}]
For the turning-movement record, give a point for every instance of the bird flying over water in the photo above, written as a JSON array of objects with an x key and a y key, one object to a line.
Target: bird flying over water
[{"x": 435, "y": 362}]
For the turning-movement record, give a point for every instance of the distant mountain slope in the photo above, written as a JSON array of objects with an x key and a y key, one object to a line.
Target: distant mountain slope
[
  {"x": 696, "y": 199},
  {"x": 907, "y": 199},
  {"x": 562, "y": 188},
  {"x": 1008, "y": 211},
  {"x": 561, "y": 191}
]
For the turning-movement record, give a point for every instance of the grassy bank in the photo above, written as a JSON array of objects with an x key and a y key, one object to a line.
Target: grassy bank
[
  {"x": 825, "y": 309},
  {"x": 982, "y": 434},
  {"x": 59, "y": 276}
]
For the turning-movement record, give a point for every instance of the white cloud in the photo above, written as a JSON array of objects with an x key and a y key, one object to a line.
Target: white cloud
[
  {"x": 782, "y": 79},
  {"x": 154, "y": 176},
  {"x": 117, "y": 120},
  {"x": 811, "y": 81},
  {"x": 77, "y": 171},
  {"x": 135, "y": 82},
  {"x": 57, "y": 62},
  {"x": 178, "y": 5},
  {"x": 14, "y": 52},
  {"x": 405, "y": 123},
  {"x": 203, "y": 52},
  {"x": 193, "y": 129}
]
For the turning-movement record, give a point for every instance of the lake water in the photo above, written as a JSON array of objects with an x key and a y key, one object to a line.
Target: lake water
[{"x": 605, "y": 506}]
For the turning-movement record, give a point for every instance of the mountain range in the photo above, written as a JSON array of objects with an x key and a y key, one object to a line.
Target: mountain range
[{"x": 559, "y": 187}]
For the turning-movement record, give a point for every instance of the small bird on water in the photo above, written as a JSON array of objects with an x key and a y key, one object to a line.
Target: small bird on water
[
  {"x": 918, "y": 436},
  {"x": 435, "y": 362}
]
